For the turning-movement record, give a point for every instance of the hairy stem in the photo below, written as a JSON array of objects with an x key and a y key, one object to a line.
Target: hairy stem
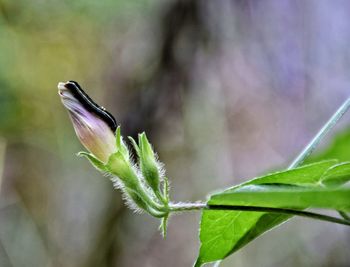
[{"x": 202, "y": 206}]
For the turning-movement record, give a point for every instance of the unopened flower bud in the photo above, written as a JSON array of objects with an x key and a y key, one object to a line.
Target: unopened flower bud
[
  {"x": 94, "y": 126},
  {"x": 121, "y": 167},
  {"x": 148, "y": 163}
]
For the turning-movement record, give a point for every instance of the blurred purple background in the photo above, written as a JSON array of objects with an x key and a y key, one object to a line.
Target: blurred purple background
[{"x": 226, "y": 90}]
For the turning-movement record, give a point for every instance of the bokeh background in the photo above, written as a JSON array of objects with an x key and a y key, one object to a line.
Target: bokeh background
[{"x": 226, "y": 90}]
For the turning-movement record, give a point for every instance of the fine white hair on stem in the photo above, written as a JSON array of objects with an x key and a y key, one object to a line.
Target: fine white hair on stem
[
  {"x": 118, "y": 184},
  {"x": 161, "y": 167}
]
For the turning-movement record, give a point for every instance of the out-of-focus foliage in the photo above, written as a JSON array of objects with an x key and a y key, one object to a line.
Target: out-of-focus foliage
[
  {"x": 339, "y": 148},
  {"x": 216, "y": 85}
]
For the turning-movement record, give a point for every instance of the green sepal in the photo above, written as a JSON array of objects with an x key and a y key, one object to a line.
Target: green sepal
[
  {"x": 138, "y": 200},
  {"x": 99, "y": 165},
  {"x": 120, "y": 144},
  {"x": 166, "y": 189},
  {"x": 136, "y": 147},
  {"x": 164, "y": 225},
  {"x": 120, "y": 166},
  {"x": 146, "y": 147},
  {"x": 142, "y": 203},
  {"x": 148, "y": 163}
]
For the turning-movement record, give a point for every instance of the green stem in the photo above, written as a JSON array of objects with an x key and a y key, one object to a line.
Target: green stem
[
  {"x": 320, "y": 135},
  {"x": 202, "y": 206},
  {"x": 178, "y": 207}
]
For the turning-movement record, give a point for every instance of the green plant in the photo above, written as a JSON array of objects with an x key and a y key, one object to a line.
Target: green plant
[{"x": 230, "y": 219}]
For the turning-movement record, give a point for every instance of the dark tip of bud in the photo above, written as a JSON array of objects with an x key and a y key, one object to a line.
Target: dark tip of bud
[{"x": 90, "y": 105}]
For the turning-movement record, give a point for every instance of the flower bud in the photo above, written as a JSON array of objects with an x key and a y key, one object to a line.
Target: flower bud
[
  {"x": 120, "y": 166},
  {"x": 94, "y": 126},
  {"x": 148, "y": 163}
]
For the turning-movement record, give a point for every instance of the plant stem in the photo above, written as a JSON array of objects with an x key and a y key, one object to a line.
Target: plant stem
[
  {"x": 320, "y": 135},
  {"x": 202, "y": 206},
  {"x": 178, "y": 207}
]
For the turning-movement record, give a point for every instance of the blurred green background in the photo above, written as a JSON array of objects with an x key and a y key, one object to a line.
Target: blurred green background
[{"x": 226, "y": 90}]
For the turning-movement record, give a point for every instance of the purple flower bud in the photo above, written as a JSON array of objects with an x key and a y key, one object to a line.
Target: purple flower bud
[{"x": 94, "y": 126}]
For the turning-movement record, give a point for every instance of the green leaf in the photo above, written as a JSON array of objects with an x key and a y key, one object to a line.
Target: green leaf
[
  {"x": 344, "y": 215},
  {"x": 307, "y": 175},
  {"x": 285, "y": 197},
  {"x": 337, "y": 175},
  {"x": 221, "y": 231},
  {"x": 224, "y": 232}
]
